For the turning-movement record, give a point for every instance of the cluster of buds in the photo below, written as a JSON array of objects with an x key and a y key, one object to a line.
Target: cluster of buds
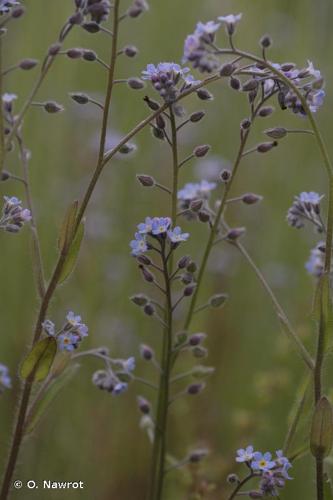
[
  {"x": 115, "y": 380},
  {"x": 13, "y": 216},
  {"x": 5, "y": 380},
  {"x": 168, "y": 79},
  {"x": 70, "y": 335},
  {"x": 272, "y": 472},
  {"x": 306, "y": 207},
  {"x": 193, "y": 199},
  {"x": 95, "y": 11}
]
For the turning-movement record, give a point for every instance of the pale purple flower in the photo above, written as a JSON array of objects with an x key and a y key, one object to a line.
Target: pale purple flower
[
  {"x": 208, "y": 28},
  {"x": 315, "y": 99},
  {"x": 230, "y": 22},
  {"x": 8, "y": 98},
  {"x": 312, "y": 71},
  {"x": 168, "y": 79},
  {"x": 68, "y": 341},
  {"x": 7, "y": 5},
  {"x": 245, "y": 455},
  {"x": 119, "y": 388},
  {"x": 14, "y": 216},
  {"x": 146, "y": 227},
  {"x": 160, "y": 225},
  {"x": 129, "y": 364},
  {"x": 139, "y": 244},
  {"x": 262, "y": 461},
  {"x": 316, "y": 263},
  {"x": 191, "y": 191},
  {"x": 5, "y": 380},
  {"x": 306, "y": 207},
  {"x": 176, "y": 235},
  {"x": 49, "y": 327}
]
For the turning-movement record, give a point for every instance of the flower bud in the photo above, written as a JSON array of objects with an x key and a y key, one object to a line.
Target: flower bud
[
  {"x": 135, "y": 83},
  {"x": 201, "y": 151},
  {"x": 197, "y": 455},
  {"x": 183, "y": 261},
  {"x": 251, "y": 198},
  {"x": 146, "y": 180},
  {"x": 127, "y": 148},
  {"x": 189, "y": 290},
  {"x": 54, "y": 49},
  {"x": 79, "y": 97},
  {"x": 197, "y": 116},
  {"x": 27, "y": 64},
  {"x": 205, "y": 95},
  {"x": 235, "y": 233},
  {"x": 160, "y": 122},
  {"x": 321, "y": 437},
  {"x": 245, "y": 124},
  {"x": 288, "y": 66},
  {"x": 149, "y": 310},
  {"x": 76, "y": 18},
  {"x": 89, "y": 55},
  {"x": 195, "y": 388},
  {"x": 276, "y": 133},
  {"x": 53, "y": 107},
  {"x": 158, "y": 133},
  {"x": 139, "y": 299},
  {"x": 218, "y": 300},
  {"x": 225, "y": 175},
  {"x": 147, "y": 275},
  {"x": 265, "y": 41},
  {"x": 130, "y": 50},
  {"x": 186, "y": 278},
  {"x": 143, "y": 259},
  {"x": 196, "y": 339},
  {"x": 204, "y": 216},
  {"x": 250, "y": 85},
  {"x": 91, "y": 27},
  {"x": 146, "y": 352},
  {"x": 235, "y": 84},
  {"x": 154, "y": 105},
  {"x": 17, "y": 12},
  {"x": 227, "y": 69},
  {"x": 196, "y": 205},
  {"x": 191, "y": 267},
  {"x": 266, "y": 111},
  {"x": 74, "y": 53},
  {"x": 265, "y": 147},
  {"x": 199, "y": 352},
  {"x": 144, "y": 405},
  {"x": 233, "y": 479}
]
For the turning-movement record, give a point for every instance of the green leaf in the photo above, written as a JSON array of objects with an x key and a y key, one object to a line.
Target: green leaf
[
  {"x": 52, "y": 391},
  {"x": 73, "y": 254},
  {"x": 67, "y": 230},
  {"x": 39, "y": 361}
]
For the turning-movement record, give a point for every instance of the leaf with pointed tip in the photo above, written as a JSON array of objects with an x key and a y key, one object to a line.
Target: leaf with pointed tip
[
  {"x": 67, "y": 229},
  {"x": 72, "y": 255},
  {"x": 39, "y": 361}
]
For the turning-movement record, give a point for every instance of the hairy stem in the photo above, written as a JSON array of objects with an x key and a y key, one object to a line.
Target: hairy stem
[{"x": 2, "y": 139}]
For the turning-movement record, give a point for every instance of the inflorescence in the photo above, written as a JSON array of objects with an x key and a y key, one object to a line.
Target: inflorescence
[
  {"x": 70, "y": 335},
  {"x": 13, "y": 216}
]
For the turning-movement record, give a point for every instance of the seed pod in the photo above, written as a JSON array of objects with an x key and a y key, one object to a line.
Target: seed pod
[
  {"x": 321, "y": 437},
  {"x": 245, "y": 124},
  {"x": 91, "y": 27},
  {"x": 235, "y": 233},
  {"x": 225, "y": 175},
  {"x": 4, "y": 176},
  {"x": 74, "y": 53},
  {"x": 130, "y": 50},
  {"x": 265, "y": 147},
  {"x": 146, "y": 180},
  {"x": 266, "y": 111},
  {"x": 234, "y": 83},
  {"x": 203, "y": 216},
  {"x": 250, "y": 85},
  {"x": 158, "y": 133},
  {"x": 233, "y": 479},
  {"x": 227, "y": 69},
  {"x": 201, "y": 151},
  {"x": 191, "y": 267},
  {"x": 189, "y": 290},
  {"x": 135, "y": 83},
  {"x": 89, "y": 55},
  {"x": 143, "y": 259},
  {"x": 139, "y": 299},
  {"x": 218, "y": 300},
  {"x": 251, "y": 198},
  {"x": 54, "y": 49},
  {"x": 52, "y": 107},
  {"x": 154, "y": 105},
  {"x": 79, "y": 97},
  {"x": 204, "y": 95},
  {"x": 160, "y": 122},
  {"x": 127, "y": 148},
  {"x": 276, "y": 133},
  {"x": 197, "y": 116},
  {"x": 183, "y": 262},
  {"x": 147, "y": 275},
  {"x": 27, "y": 64},
  {"x": 265, "y": 41},
  {"x": 149, "y": 310}
]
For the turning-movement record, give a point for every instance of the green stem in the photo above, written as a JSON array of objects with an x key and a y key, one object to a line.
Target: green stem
[{"x": 240, "y": 485}]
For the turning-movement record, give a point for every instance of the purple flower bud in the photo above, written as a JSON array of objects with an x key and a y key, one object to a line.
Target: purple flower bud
[
  {"x": 191, "y": 267},
  {"x": 146, "y": 352},
  {"x": 265, "y": 41},
  {"x": 91, "y": 27},
  {"x": 143, "y": 259},
  {"x": 154, "y": 105},
  {"x": 245, "y": 124},
  {"x": 52, "y": 107},
  {"x": 227, "y": 69},
  {"x": 233, "y": 479},
  {"x": 235, "y": 83},
  {"x": 135, "y": 83},
  {"x": 27, "y": 64},
  {"x": 144, "y": 405},
  {"x": 183, "y": 261},
  {"x": 189, "y": 290},
  {"x": 204, "y": 216},
  {"x": 4, "y": 176},
  {"x": 266, "y": 111},
  {"x": 54, "y": 49},
  {"x": 127, "y": 148},
  {"x": 146, "y": 180},
  {"x": 265, "y": 147},
  {"x": 225, "y": 175},
  {"x": 195, "y": 388},
  {"x": 139, "y": 299},
  {"x": 205, "y": 95},
  {"x": 80, "y": 98},
  {"x": 147, "y": 275},
  {"x": 201, "y": 151},
  {"x": 250, "y": 85},
  {"x": 197, "y": 116},
  {"x": 197, "y": 455},
  {"x": 251, "y": 198},
  {"x": 17, "y": 12},
  {"x": 235, "y": 233},
  {"x": 160, "y": 122},
  {"x": 76, "y": 18},
  {"x": 196, "y": 205},
  {"x": 158, "y": 133},
  {"x": 89, "y": 55},
  {"x": 74, "y": 53},
  {"x": 130, "y": 50},
  {"x": 196, "y": 339},
  {"x": 149, "y": 310}
]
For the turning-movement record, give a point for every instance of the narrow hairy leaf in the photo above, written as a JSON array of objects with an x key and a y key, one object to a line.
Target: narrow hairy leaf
[
  {"x": 321, "y": 437},
  {"x": 51, "y": 392},
  {"x": 68, "y": 227},
  {"x": 39, "y": 360},
  {"x": 72, "y": 254}
]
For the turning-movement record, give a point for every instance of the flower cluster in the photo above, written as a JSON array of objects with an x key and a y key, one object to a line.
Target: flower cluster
[
  {"x": 70, "y": 335},
  {"x": 13, "y": 215},
  {"x": 193, "y": 197},
  {"x": 115, "y": 381},
  {"x": 316, "y": 263},
  {"x": 5, "y": 380},
  {"x": 96, "y": 11},
  {"x": 168, "y": 79},
  {"x": 273, "y": 472},
  {"x": 156, "y": 227},
  {"x": 197, "y": 47},
  {"x": 7, "y": 5},
  {"x": 306, "y": 207}
]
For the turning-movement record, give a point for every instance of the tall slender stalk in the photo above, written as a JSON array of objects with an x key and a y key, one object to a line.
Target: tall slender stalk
[{"x": 2, "y": 136}]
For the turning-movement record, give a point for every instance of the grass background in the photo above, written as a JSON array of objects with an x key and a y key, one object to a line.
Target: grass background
[{"x": 89, "y": 435}]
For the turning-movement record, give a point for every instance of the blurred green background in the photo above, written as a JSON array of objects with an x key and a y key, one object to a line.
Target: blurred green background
[{"x": 89, "y": 435}]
